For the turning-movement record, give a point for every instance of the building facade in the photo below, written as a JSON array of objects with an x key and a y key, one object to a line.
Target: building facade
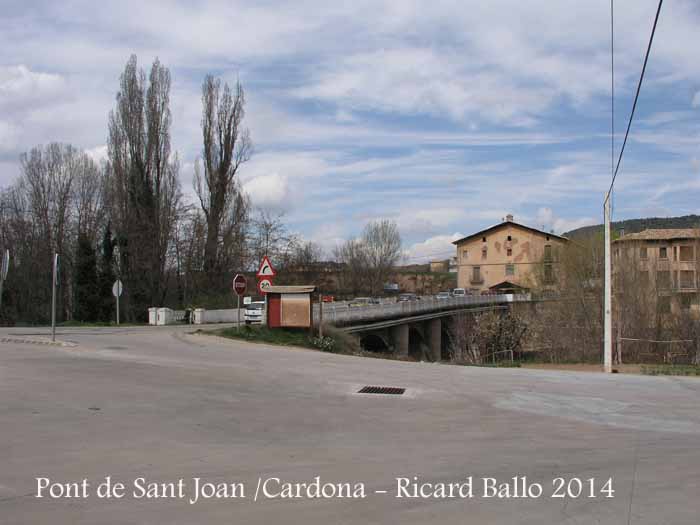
[
  {"x": 663, "y": 263},
  {"x": 508, "y": 257}
]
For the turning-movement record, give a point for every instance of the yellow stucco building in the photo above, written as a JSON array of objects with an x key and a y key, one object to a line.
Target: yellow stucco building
[{"x": 508, "y": 257}]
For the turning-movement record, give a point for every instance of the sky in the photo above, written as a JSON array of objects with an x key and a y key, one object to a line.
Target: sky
[{"x": 443, "y": 115}]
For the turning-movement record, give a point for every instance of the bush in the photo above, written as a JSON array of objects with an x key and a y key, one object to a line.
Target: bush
[{"x": 343, "y": 342}]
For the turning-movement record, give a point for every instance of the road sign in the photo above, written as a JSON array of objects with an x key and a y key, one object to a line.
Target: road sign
[
  {"x": 239, "y": 284},
  {"x": 5, "y": 265},
  {"x": 266, "y": 269},
  {"x": 117, "y": 288},
  {"x": 264, "y": 284}
]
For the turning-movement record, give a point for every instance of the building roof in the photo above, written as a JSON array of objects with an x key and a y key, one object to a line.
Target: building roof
[
  {"x": 662, "y": 234},
  {"x": 504, "y": 224},
  {"x": 507, "y": 285},
  {"x": 291, "y": 289}
]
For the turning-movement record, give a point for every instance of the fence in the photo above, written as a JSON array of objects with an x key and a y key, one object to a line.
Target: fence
[{"x": 339, "y": 313}]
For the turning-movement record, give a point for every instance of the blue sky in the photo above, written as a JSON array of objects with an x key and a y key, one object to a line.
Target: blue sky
[{"x": 442, "y": 115}]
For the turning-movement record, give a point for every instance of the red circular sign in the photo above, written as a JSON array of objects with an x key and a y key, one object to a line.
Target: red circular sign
[
  {"x": 239, "y": 284},
  {"x": 263, "y": 284}
]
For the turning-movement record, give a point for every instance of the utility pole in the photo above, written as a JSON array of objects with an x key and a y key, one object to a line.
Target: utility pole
[
  {"x": 53, "y": 298},
  {"x": 607, "y": 308},
  {"x": 3, "y": 272},
  {"x": 320, "y": 315}
]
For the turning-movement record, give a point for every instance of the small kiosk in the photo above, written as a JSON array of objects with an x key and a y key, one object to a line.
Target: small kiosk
[{"x": 290, "y": 306}]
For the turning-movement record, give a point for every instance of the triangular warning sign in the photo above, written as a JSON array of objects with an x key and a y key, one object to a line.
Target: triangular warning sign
[{"x": 266, "y": 269}]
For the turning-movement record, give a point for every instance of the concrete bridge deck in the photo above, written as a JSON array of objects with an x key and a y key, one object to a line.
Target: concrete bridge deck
[{"x": 343, "y": 315}]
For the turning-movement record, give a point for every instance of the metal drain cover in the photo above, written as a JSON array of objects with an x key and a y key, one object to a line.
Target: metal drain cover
[{"x": 389, "y": 390}]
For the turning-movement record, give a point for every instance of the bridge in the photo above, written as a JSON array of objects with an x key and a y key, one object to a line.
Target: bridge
[{"x": 412, "y": 328}]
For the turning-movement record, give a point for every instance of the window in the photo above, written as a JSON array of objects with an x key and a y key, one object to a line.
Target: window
[
  {"x": 663, "y": 252},
  {"x": 483, "y": 239},
  {"x": 510, "y": 238},
  {"x": 476, "y": 274},
  {"x": 685, "y": 300},
  {"x": 547, "y": 237},
  {"x": 509, "y": 252},
  {"x": 484, "y": 252},
  {"x": 548, "y": 274},
  {"x": 510, "y": 269},
  {"x": 643, "y": 252},
  {"x": 664, "y": 304},
  {"x": 686, "y": 253},
  {"x": 465, "y": 253},
  {"x": 675, "y": 253},
  {"x": 547, "y": 253},
  {"x": 687, "y": 279},
  {"x": 663, "y": 280}
]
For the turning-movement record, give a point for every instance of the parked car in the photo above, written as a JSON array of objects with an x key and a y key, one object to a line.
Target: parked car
[
  {"x": 459, "y": 292},
  {"x": 359, "y": 302},
  {"x": 254, "y": 312},
  {"x": 443, "y": 295},
  {"x": 406, "y": 297}
]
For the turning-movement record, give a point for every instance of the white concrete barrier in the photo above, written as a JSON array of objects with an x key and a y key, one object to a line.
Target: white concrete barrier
[
  {"x": 165, "y": 316},
  {"x": 230, "y": 315},
  {"x": 169, "y": 316}
]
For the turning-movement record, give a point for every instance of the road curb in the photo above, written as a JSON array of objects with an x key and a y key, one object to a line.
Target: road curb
[{"x": 41, "y": 342}]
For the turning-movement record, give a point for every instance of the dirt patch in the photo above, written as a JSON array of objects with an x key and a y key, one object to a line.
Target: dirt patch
[{"x": 582, "y": 367}]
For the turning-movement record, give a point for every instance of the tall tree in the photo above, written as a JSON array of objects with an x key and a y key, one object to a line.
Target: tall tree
[
  {"x": 106, "y": 275},
  {"x": 87, "y": 296},
  {"x": 144, "y": 186},
  {"x": 369, "y": 260},
  {"x": 226, "y": 146}
]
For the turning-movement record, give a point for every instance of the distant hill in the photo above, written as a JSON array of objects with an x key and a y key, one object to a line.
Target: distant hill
[{"x": 638, "y": 225}]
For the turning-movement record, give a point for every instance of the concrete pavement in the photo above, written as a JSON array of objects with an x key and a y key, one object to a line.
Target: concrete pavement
[{"x": 160, "y": 404}]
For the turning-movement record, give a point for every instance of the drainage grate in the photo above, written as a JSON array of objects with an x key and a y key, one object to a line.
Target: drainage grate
[{"x": 391, "y": 390}]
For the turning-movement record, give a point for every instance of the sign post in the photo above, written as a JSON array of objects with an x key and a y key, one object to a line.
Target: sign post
[
  {"x": 116, "y": 292},
  {"x": 3, "y": 272},
  {"x": 239, "y": 287},
  {"x": 265, "y": 274},
  {"x": 53, "y": 297}
]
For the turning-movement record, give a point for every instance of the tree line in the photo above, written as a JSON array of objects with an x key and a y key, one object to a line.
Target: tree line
[{"x": 125, "y": 217}]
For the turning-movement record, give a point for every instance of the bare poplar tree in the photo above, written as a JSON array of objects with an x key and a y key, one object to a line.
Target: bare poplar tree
[
  {"x": 226, "y": 146},
  {"x": 369, "y": 260},
  {"x": 144, "y": 187},
  {"x": 382, "y": 246}
]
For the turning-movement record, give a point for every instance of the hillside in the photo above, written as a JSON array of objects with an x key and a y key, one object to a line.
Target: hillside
[{"x": 638, "y": 225}]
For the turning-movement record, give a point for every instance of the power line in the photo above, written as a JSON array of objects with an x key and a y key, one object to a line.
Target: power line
[{"x": 636, "y": 97}]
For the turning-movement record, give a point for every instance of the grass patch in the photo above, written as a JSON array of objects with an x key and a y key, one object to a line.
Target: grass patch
[
  {"x": 334, "y": 340},
  {"x": 96, "y": 324},
  {"x": 497, "y": 364},
  {"x": 671, "y": 370},
  {"x": 263, "y": 334}
]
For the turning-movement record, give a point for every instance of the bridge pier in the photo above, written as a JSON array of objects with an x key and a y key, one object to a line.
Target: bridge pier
[
  {"x": 434, "y": 329},
  {"x": 399, "y": 338}
]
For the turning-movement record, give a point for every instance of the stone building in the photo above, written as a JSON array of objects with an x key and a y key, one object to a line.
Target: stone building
[{"x": 508, "y": 258}]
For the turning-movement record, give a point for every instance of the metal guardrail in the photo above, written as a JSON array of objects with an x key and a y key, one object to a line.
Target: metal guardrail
[{"x": 342, "y": 314}]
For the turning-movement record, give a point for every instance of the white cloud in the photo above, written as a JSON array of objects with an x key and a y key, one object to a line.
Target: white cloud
[
  {"x": 271, "y": 192},
  {"x": 547, "y": 220},
  {"x": 20, "y": 86},
  {"x": 696, "y": 100},
  {"x": 98, "y": 153},
  {"x": 437, "y": 247}
]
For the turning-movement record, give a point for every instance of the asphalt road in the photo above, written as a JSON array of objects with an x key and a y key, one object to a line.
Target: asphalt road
[{"x": 159, "y": 404}]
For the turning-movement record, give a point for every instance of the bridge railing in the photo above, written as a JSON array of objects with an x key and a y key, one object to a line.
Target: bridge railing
[{"x": 344, "y": 314}]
